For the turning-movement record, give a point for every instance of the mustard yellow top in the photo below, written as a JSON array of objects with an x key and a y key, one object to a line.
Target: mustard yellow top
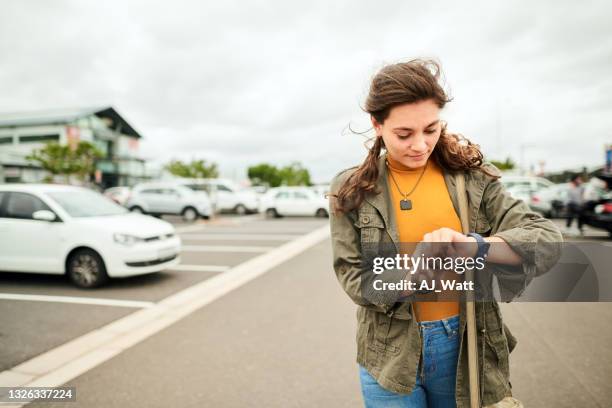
[{"x": 432, "y": 209}]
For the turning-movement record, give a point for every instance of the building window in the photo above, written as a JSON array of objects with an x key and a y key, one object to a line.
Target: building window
[
  {"x": 6, "y": 140},
  {"x": 38, "y": 138}
]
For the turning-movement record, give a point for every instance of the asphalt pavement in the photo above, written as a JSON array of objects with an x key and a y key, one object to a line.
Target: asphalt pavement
[{"x": 283, "y": 339}]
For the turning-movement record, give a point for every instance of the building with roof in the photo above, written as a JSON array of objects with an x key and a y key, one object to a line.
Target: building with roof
[{"x": 22, "y": 133}]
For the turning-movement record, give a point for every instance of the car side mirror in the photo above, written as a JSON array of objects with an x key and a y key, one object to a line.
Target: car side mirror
[{"x": 44, "y": 215}]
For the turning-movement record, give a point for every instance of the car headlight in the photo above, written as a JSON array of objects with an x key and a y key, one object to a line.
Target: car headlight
[{"x": 126, "y": 239}]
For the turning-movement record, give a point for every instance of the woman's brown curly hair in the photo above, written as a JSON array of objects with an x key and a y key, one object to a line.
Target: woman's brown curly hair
[{"x": 406, "y": 82}]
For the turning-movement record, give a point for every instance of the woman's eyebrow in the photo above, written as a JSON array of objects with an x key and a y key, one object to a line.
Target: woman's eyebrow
[{"x": 407, "y": 128}]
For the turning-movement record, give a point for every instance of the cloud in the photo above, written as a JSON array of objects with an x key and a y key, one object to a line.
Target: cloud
[{"x": 247, "y": 82}]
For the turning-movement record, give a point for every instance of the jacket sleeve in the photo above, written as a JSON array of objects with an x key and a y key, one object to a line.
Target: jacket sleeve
[
  {"x": 534, "y": 238},
  {"x": 346, "y": 248}
]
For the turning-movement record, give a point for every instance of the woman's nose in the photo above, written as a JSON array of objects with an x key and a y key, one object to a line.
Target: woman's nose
[{"x": 418, "y": 144}]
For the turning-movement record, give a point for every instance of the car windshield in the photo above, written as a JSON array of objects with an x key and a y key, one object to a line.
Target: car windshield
[{"x": 86, "y": 204}]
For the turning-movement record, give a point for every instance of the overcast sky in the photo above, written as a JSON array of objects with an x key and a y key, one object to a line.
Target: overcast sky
[{"x": 245, "y": 82}]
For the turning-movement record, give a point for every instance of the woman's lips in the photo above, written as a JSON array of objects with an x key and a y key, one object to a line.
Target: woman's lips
[{"x": 417, "y": 157}]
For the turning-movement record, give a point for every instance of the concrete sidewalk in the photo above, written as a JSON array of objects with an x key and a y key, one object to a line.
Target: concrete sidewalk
[{"x": 287, "y": 339}]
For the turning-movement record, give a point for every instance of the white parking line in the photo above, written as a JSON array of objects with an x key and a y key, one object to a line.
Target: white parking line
[
  {"x": 240, "y": 237},
  {"x": 79, "y": 300},
  {"x": 224, "y": 248},
  {"x": 252, "y": 230},
  {"x": 66, "y": 362},
  {"x": 200, "y": 268},
  {"x": 189, "y": 228}
]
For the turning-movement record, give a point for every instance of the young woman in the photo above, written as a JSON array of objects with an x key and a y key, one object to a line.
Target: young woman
[{"x": 413, "y": 354}]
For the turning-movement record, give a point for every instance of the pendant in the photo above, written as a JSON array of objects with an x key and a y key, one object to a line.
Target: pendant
[{"x": 406, "y": 204}]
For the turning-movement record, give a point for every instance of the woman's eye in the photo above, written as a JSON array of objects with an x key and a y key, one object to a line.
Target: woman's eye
[{"x": 430, "y": 132}]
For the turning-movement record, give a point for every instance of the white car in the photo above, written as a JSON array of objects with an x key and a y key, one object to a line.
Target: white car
[
  {"x": 169, "y": 198},
  {"x": 55, "y": 229},
  {"x": 530, "y": 182},
  {"x": 120, "y": 195},
  {"x": 321, "y": 189},
  {"x": 226, "y": 195},
  {"x": 303, "y": 201}
]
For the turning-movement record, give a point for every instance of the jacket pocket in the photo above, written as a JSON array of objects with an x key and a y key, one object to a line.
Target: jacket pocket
[
  {"x": 371, "y": 226},
  {"x": 388, "y": 335}
]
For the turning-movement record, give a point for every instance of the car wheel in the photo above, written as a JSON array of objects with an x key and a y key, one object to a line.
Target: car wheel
[
  {"x": 86, "y": 269},
  {"x": 240, "y": 209},
  {"x": 321, "y": 213},
  {"x": 190, "y": 214},
  {"x": 271, "y": 213},
  {"x": 137, "y": 210}
]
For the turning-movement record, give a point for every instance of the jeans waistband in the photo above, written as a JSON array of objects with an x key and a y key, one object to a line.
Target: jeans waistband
[{"x": 449, "y": 324}]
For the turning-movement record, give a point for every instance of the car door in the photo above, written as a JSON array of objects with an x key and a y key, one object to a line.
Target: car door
[
  {"x": 226, "y": 199},
  {"x": 172, "y": 200},
  {"x": 283, "y": 203},
  {"x": 303, "y": 203},
  {"x": 29, "y": 245},
  {"x": 151, "y": 199}
]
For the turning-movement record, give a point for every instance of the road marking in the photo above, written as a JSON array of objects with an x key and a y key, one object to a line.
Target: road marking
[
  {"x": 79, "y": 300},
  {"x": 238, "y": 220},
  {"x": 66, "y": 362},
  {"x": 200, "y": 268},
  {"x": 189, "y": 228},
  {"x": 252, "y": 230},
  {"x": 240, "y": 237},
  {"x": 224, "y": 248}
]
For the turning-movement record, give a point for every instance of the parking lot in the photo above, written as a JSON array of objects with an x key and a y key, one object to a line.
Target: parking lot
[
  {"x": 42, "y": 312},
  {"x": 283, "y": 339}
]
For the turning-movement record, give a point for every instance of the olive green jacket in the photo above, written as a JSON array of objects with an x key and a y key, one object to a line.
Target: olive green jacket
[{"x": 388, "y": 339}]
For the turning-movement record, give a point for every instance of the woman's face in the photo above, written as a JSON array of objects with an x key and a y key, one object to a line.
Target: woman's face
[{"x": 411, "y": 132}]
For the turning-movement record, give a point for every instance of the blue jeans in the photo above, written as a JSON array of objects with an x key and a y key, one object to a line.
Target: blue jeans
[{"x": 435, "y": 383}]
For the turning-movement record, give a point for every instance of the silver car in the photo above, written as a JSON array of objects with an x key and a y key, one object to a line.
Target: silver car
[{"x": 169, "y": 199}]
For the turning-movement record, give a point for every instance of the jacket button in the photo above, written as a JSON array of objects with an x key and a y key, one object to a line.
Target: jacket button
[{"x": 366, "y": 219}]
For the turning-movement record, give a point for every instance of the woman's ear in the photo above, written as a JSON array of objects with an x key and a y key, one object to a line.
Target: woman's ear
[{"x": 377, "y": 126}]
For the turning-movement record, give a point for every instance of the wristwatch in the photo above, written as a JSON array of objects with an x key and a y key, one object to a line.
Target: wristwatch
[{"x": 483, "y": 246}]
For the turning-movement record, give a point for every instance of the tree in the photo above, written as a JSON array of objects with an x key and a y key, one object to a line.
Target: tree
[
  {"x": 265, "y": 174},
  {"x": 505, "y": 165},
  {"x": 292, "y": 175},
  {"x": 193, "y": 169},
  {"x": 295, "y": 175},
  {"x": 84, "y": 159},
  {"x": 63, "y": 160}
]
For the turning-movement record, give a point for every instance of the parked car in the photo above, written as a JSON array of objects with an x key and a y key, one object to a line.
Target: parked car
[
  {"x": 599, "y": 213},
  {"x": 520, "y": 192},
  {"x": 534, "y": 191},
  {"x": 551, "y": 201},
  {"x": 283, "y": 201},
  {"x": 169, "y": 198},
  {"x": 226, "y": 195},
  {"x": 120, "y": 195},
  {"x": 321, "y": 189},
  {"x": 533, "y": 183},
  {"x": 56, "y": 229}
]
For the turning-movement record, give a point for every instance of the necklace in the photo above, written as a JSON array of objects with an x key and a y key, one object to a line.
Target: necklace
[{"x": 406, "y": 204}]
